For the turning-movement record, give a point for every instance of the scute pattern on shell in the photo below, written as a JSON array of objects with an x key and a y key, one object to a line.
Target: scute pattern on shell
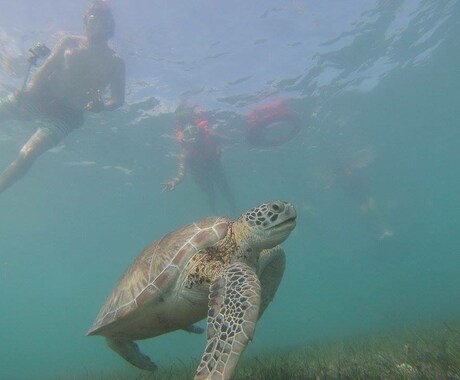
[{"x": 154, "y": 272}]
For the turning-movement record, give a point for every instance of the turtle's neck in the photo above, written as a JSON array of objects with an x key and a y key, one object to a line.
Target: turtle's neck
[{"x": 235, "y": 245}]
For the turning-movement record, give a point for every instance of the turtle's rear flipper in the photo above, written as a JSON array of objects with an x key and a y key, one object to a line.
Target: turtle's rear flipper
[
  {"x": 234, "y": 301},
  {"x": 129, "y": 351}
]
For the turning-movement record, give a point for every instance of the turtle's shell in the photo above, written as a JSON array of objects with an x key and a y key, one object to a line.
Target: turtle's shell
[{"x": 156, "y": 270}]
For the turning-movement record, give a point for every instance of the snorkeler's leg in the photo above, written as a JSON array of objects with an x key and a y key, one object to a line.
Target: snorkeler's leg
[
  {"x": 222, "y": 183},
  {"x": 39, "y": 143},
  {"x": 211, "y": 194},
  {"x": 204, "y": 180}
]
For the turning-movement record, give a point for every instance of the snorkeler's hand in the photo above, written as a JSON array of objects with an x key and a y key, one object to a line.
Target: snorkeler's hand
[
  {"x": 95, "y": 106},
  {"x": 169, "y": 186},
  {"x": 97, "y": 103}
]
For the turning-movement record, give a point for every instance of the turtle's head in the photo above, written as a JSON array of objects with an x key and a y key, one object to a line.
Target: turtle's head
[{"x": 266, "y": 225}]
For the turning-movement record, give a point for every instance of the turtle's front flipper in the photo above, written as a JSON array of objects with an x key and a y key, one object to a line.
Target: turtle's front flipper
[
  {"x": 194, "y": 329},
  {"x": 270, "y": 271},
  {"x": 129, "y": 351},
  {"x": 234, "y": 300}
]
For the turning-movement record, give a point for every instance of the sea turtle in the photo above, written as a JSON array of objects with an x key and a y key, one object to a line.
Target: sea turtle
[{"x": 226, "y": 269}]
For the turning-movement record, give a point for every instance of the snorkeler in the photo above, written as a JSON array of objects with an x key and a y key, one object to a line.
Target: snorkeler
[
  {"x": 355, "y": 180},
  {"x": 200, "y": 154},
  {"x": 69, "y": 82},
  {"x": 272, "y": 124}
]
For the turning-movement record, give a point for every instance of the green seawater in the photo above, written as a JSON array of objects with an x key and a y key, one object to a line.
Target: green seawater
[{"x": 373, "y": 174}]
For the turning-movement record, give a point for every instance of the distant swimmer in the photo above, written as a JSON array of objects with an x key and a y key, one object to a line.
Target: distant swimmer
[
  {"x": 272, "y": 124},
  {"x": 356, "y": 180},
  {"x": 200, "y": 155}
]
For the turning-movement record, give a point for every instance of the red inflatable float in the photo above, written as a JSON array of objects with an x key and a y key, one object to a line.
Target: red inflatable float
[{"x": 272, "y": 125}]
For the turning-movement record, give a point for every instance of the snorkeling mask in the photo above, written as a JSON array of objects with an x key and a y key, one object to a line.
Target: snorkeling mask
[
  {"x": 99, "y": 19},
  {"x": 190, "y": 133}
]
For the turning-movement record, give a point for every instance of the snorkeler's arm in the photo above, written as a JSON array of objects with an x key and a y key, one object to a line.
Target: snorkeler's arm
[
  {"x": 53, "y": 63},
  {"x": 117, "y": 90},
  {"x": 117, "y": 86},
  {"x": 171, "y": 185},
  {"x": 181, "y": 171}
]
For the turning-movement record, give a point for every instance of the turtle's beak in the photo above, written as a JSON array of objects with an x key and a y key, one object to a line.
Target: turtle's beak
[
  {"x": 287, "y": 226},
  {"x": 289, "y": 222},
  {"x": 281, "y": 231}
]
